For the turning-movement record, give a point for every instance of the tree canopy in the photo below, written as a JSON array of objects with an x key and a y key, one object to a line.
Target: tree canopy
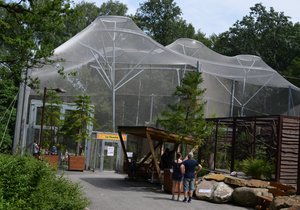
[
  {"x": 162, "y": 20},
  {"x": 268, "y": 34},
  {"x": 113, "y": 8},
  {"x": 28, "y": 37}
]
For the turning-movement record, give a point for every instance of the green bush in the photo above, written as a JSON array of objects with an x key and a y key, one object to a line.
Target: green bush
[
  {"x": 29, "y": 184},
  {"x": 257, "y": 168}
]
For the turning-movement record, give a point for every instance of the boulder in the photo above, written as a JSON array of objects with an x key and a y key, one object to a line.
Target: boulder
[
  {"x": 244, "y": 196},
  {"x": 289, "y": 202},
  {"x": 235, "y": 181},
  {"x": 216, "y": 177},
  {"x": 263, "y": 192},
  {"x": 222, "y": 193},
  {"x": 257, "y": 183},
  {"x": 205, "y": 190},
  {"x": 239, "y": 174}
]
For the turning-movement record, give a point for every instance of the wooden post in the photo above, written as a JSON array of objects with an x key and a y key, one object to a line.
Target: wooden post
[
  {"x": 123, "y": 146},
  {"x": 216, "y": 144},
  {"x": 153, "y": 154},
  {"x": 298, "y": 174},
  {"x": 233, "y": 145},
  {"x": 279, "y": 136},
  {"x": 148, "y": 155}
]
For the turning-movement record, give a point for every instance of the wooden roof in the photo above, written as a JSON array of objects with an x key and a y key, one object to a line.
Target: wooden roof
[{"x": 155, "y": 133}]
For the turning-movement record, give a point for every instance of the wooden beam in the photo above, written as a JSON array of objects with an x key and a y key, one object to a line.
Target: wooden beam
[
  {"x": 148, "y": 155},
  {"x": 123, "y": 146},
  {"x": 278, "y": 149},
  {"x": 298, "y": 171},
  {"x": 233, "y": 145},
  {"x": 153, "y": 154}
]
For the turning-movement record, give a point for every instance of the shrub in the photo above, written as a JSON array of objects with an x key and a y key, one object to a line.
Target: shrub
[
  {"x": 26, "y": 183},
  {"x": 257, "y": 168}
]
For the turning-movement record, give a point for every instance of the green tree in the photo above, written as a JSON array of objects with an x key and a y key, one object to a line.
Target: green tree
[
  {"x": 78, "y": 123},
  {"x": 158, "y": 19},
  {"x": 292, "y": 72},
  {"x": 268, "y": 34},
  {"x": 200, "y": 36},
  {"x": 186, "y": 116},
  {"x": 52, "y": 119},
  {"x": 78, "y": 18},
  {"x": 84, "y": 13},
  {"x": 113, "y": 8},
  {"x": 27, "y": 39},
  {"x": 161, "y": 19}
]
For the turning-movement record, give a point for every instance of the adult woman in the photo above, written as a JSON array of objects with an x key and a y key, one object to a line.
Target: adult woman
[{"x": 177, "y": 176}]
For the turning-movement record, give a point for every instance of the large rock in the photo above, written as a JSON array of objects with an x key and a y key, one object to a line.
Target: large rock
[
  {"x": 235, "y": 181},
  {"x": 263, "y": 192},
  {"x": 244, "y": 196},
  {"x": 281, "y": 202},
  {"x": 239, "y": 174},
  {"x": 222, "y": 193},
  {"x": 216, "y": 177},
  {"x": 205, "y": 190},
  {"x": 257, "y": 183}
]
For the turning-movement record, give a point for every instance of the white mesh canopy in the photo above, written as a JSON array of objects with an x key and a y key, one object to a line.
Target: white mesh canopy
[
  {"x": 129, "y": 76},
  {"x": 245, "y": 84}
]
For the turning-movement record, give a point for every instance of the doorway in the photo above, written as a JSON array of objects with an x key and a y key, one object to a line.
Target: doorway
[
  {"x": 110, "y": 155},
  {"x": 105, "y": 153}
]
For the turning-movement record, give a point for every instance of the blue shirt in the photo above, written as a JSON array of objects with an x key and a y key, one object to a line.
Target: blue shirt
[{"x": 190, "y": 166}]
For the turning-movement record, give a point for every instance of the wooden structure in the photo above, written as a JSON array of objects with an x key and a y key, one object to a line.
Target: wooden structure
[
  {"x": 51, "y": 159},
  {"x": 285, "y": 134},
  {"x": 76, "y": 163},
  {"x": 155, "y": 138}
]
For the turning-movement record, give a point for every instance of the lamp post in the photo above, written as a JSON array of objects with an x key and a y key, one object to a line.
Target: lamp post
[{"x": 58, "y": 90}]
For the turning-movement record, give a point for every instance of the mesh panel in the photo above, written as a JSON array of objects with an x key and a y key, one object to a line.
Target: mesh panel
[
  {"x": 242, "y": 85},
  {"x": 131, "y": 78}
]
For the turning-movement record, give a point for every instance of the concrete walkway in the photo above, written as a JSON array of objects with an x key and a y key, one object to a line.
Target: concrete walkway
[{"x": 111, "y": 191}]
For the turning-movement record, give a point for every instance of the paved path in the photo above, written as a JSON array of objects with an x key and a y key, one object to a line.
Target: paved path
[{"x": 111, "y": 191}]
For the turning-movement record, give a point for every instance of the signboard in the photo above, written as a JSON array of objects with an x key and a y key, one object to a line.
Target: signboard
[
  {"x": 129, "y": 154},
  {"x": 110, "y": 151},
  {"x": 110, "y": 136}
]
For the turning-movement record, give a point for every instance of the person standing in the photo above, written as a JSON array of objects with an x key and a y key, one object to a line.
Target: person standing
[
  {"x": 36, "y": 150},
  {"x": 177, "y": 176},
  {"x": 189, "y": 177},
  {"x": 164, "y": 159}
]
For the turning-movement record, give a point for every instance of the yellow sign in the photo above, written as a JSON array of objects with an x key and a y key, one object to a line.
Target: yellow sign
[{"x": 111, "y": 136}]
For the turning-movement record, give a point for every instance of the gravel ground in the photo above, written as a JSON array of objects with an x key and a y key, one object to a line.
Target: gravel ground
[{"x": 111, "y": 191}]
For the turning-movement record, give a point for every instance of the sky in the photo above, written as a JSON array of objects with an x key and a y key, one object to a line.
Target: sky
[{"x": 216, "y": 16}]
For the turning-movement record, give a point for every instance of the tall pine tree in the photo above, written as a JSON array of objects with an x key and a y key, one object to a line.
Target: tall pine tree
[{"x": 186, "y": 117}]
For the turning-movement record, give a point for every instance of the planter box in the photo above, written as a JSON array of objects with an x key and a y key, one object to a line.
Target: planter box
[
  {"x": 76, "y": 163},
  {"x": 51, "y": 159}
]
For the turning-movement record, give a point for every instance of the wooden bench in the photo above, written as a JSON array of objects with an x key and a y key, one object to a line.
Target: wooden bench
[{"x": 277, "y": 189}]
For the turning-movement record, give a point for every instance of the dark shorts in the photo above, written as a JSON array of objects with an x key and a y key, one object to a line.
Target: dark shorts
[{"x": 177, "y": 179}]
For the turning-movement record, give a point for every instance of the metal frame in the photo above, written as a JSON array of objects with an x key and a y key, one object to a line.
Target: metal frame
[{"x": 278, "y": 119}]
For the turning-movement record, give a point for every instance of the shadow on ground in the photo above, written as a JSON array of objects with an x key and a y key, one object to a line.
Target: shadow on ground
[{"x": 117, "y": 184}]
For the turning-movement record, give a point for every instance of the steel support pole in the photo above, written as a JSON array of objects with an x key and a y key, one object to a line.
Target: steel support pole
[{"x": 43, "y": 115}]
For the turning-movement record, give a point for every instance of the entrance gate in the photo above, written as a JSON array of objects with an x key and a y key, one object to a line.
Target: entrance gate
[{"x": 105, "y": 151}]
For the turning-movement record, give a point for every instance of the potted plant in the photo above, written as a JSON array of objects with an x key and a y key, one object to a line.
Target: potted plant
[{"x": 78, "y": 125}]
